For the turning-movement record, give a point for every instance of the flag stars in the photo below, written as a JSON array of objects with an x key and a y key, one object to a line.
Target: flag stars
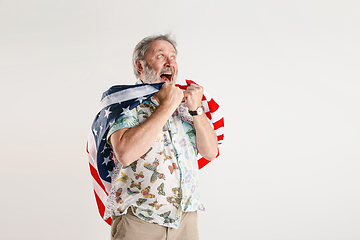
[
  {"x": 104, "y": 149},
  {"x": 107, "y": 160},
  {"x": 109, "y": 174},
  {"x": 95, "y": 132},
  {"x": 126, "y": 110},
  {"x": 107, "y": 112},
  {"x": 141, "y": 99}
]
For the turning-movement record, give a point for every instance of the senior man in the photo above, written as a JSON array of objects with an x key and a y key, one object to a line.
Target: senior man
[{"x": 154, "y": 193}]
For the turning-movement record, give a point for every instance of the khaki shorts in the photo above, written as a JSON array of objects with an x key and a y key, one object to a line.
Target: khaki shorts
[{"x": 130, "y": 227}]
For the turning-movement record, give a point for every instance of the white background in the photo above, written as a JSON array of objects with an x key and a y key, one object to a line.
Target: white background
[{"x": 286, "y": 74}]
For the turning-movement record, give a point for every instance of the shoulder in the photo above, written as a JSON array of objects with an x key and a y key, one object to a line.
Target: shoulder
[{"x": 127, "y": 120}]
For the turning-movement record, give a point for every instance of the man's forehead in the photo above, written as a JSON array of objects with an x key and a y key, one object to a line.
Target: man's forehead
[{"x": 162, "y": 46}]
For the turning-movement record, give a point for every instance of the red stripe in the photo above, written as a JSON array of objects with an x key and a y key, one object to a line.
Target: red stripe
[
  {"x": 202, "y": 162},
  {"x": 183, "y": 87},
  {"x": 87, "y": 147},
  {"x": 208, "y": 115},
  {"x": 95, "y": 175},
  {"x": 101, "y": 208},
  {"x": 109, "y": 220},
  {"x": 220, "y": 137},
  {"x": 213, "y": 106},
  {"x": 218, "y": 124},
  {"x": 189, "y": 82}
]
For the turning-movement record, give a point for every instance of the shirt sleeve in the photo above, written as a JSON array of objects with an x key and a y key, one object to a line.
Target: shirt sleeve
[{"x": 128, "y": 120}]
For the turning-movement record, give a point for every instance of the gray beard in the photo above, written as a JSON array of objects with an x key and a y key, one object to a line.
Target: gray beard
[{"x": 150, "y": 76}]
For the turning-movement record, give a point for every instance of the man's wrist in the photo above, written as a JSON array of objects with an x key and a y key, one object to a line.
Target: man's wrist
[{"x": 197, "y": 112}]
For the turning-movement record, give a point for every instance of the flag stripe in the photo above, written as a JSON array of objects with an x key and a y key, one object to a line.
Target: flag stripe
[
  {"x": 101, "y": 208},
  {"x": 208, "y": 115},
  {"x": 202, "y": 162},
  {"x": 216, "y": 116},
  {"x": 213, "y": 106},
  {"x": 205, "y": 106},
  {"x": 126, "y": 95},
  {"x": 220, "y": 138},
  {"x": 96, "y": 178},
  {"x": 218, "y": 124}
]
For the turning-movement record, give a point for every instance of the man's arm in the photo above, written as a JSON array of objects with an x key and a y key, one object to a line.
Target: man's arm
[
  {"x": 129, "y": 144},
  {"x": 206, "y": 139}
]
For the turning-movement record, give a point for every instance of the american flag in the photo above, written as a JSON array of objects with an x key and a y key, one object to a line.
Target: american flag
[{"x": 117, "y": 101}]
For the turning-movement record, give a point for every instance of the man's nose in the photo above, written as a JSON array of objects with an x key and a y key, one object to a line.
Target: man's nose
[{"x": 167, "y": 62}]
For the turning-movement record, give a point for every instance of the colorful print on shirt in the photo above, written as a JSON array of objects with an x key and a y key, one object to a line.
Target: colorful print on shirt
[{"x": 163, "y": 183}]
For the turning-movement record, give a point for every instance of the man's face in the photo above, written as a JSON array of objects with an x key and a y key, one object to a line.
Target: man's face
[{"x": 160, "y": 63}]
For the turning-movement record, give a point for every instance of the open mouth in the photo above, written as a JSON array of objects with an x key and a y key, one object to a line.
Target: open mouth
[{"x": 166, "y": 77}]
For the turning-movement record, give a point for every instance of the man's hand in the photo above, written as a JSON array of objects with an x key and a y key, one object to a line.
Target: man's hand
[
  {"x": 206, "y": 140},
  {"x": 193, "y": 96},
  {"x": 170, "y": 96}
]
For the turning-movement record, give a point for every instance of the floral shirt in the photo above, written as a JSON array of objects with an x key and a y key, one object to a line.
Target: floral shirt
[{"x": 163, "y": 183}]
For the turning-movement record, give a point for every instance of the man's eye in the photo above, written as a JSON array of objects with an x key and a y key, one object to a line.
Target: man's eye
[
  {"x": 172, "y": 58},
  {"x": 160, "y": 56}
]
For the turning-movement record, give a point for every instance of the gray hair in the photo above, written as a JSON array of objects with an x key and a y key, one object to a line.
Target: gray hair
[{"x": 143, "y": 46}]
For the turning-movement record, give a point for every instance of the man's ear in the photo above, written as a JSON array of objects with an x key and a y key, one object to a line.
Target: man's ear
[{"x": 139, "y": 66}]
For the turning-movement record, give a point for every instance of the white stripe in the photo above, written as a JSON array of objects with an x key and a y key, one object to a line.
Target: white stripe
[
  {"x": 216, "y": 116},
  {"x": 92, "y": 150},
  {"x": 219, "y": 131},
  {"x": 207, "y": 96},
  {"x": 98, "y": 189},
  {"x": 92, "y": 160},
  {"x": 205, "y": 106},
  {"x": 127, "y": 94},
  {"x": 107, "y": 185},
  {"x": 100, "y": 192},
  {"x": 205, "y": 102}
]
